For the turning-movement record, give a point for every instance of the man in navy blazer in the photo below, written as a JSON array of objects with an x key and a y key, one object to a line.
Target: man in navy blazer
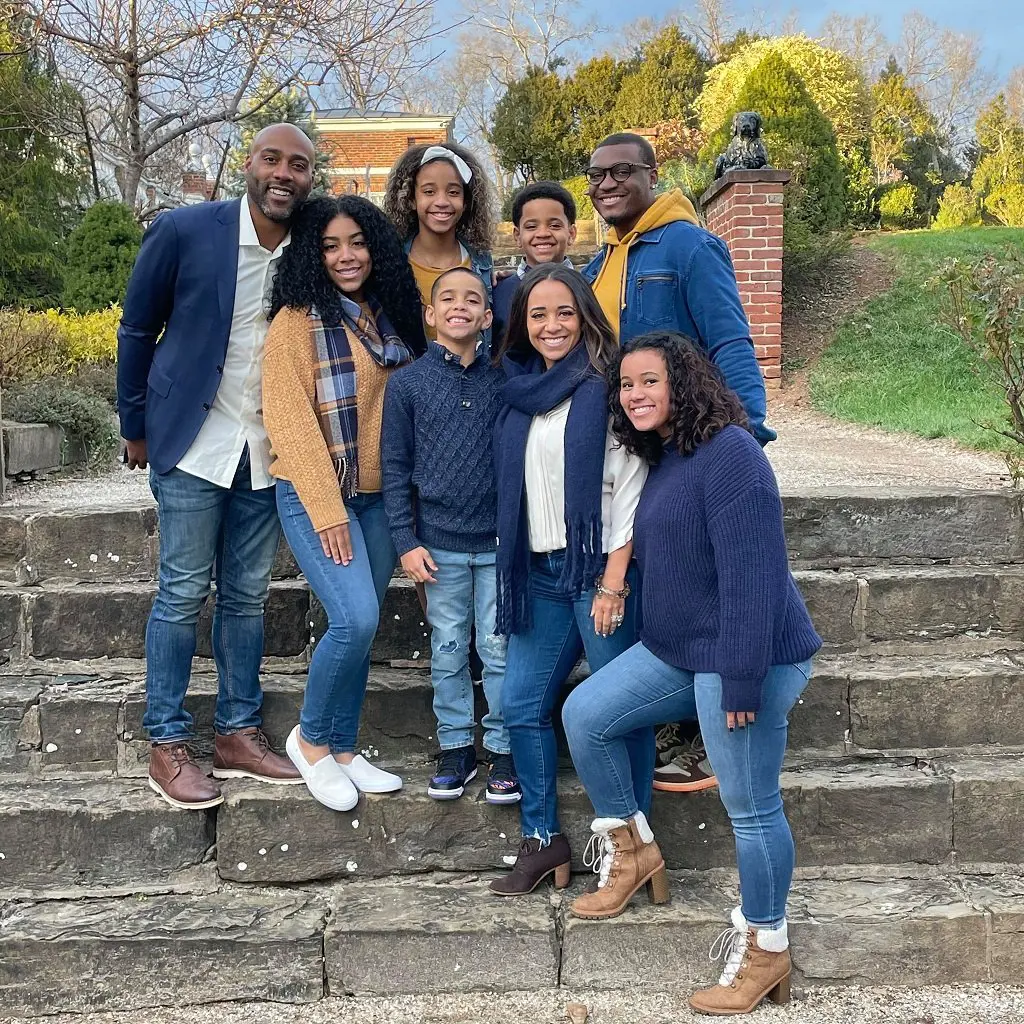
[{"x": 189, "y": 391}]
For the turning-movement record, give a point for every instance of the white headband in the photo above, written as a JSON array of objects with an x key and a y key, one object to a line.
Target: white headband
[{"x": 441, "y": 153}]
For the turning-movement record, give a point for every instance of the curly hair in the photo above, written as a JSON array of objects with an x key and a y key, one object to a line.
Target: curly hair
[
  {"x": 595, "y": 331},
  {"x": 302, "y": 280},
  {"x": 476, "y": 225},
  {"x": 700, "y": 402}
]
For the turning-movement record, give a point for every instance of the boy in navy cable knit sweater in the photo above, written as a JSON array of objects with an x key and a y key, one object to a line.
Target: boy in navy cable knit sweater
[{"x": 441, "y": 501}]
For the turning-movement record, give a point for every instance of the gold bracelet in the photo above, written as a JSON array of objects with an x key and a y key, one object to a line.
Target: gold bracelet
[{"x": 603, "y": 591}]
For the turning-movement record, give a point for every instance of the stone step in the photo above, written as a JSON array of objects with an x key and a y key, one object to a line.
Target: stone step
[
  {"x": 861, "y": 527},
  {"x": 101, "y": 831},
  {"x": 853, "y": 705},
  {"x": 863, "y": 610},
  {"x": 297, "y": 945}
]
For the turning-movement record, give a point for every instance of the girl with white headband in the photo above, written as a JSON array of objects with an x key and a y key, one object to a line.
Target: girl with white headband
[{"x": 439, "y": 199}]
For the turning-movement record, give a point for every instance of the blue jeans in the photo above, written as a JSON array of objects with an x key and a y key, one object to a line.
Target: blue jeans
[
  {"x": 606, "y": 713},
  {"x": 540, "y": 660},
  {"x": 465, "y": 592},
  {"x": 202, "y": 524},
  {"x": 351, "y": 595}
]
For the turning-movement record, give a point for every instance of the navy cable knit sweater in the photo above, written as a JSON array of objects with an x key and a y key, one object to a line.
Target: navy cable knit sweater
[
  {"x": 717, "y": 592},
  {"x": 436, "y": 459}
]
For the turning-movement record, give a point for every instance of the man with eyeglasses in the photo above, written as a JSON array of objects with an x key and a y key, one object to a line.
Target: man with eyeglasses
[{"x": 660, "y": 270}]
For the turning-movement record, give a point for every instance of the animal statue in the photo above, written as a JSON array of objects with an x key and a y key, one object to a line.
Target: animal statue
[{"x": 746, "y": 151}]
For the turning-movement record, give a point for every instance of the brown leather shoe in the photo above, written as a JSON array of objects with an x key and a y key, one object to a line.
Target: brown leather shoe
[
  {"x": 247, "y": 755},
  {"x": 624, "y": 863},
  {"x": 750, "y": 975},
  {"x": 175, "y": 776},
  {"x": 534, "y": 864}
]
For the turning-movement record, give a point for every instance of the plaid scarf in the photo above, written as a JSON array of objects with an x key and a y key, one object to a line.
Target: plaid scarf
[{"x": 335, "y": 373}]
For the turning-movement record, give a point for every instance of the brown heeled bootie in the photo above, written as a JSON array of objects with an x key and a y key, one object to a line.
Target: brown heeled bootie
[
  {"x": 625, "y": 857},
  {"x": 752, "y": 972},
  {"x": 534, "y": 864}
]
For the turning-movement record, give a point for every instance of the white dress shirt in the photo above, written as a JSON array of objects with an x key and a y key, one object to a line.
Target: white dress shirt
[
  {"x": 624, "y": 477},
  {"x": 236, "y": 415}
]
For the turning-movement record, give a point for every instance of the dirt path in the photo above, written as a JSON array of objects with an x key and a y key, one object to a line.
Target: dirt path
[{"x": 809, "y": 321}]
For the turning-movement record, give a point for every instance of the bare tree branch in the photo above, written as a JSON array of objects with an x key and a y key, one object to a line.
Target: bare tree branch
[{"x": 152, "y": 73}]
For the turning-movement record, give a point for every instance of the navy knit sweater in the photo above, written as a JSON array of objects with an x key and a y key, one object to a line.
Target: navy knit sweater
[
  {"x": 438, "y": 469},
  {"x": 717, "y": 592}
]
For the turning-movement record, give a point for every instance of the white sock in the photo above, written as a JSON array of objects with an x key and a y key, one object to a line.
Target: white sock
[
  {"x": 773, "y": 940},
  {"x": 606, "y": 824},
  {"x": 643, "y": 828}
]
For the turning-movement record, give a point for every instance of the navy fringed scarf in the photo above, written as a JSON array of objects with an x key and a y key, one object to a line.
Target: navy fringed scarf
[{"x": 529, "y": 392}]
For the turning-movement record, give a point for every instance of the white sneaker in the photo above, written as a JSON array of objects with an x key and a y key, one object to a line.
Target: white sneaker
[
  {"x": 324, "y": 779},
  {"x": 369, "y": 779}
]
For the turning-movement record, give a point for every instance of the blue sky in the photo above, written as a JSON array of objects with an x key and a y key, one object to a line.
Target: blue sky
[{"x": 1001, "y": 31}]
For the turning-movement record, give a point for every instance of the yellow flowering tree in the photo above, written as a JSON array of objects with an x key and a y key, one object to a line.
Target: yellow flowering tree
[{"x": 833, "y": 80}]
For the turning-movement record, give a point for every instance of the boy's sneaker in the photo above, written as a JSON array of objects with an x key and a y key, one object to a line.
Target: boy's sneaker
[
  {"x": 454, "y": 769},
  {"x": 682, "y": 764},
  {"x": 502, "y": 781}
]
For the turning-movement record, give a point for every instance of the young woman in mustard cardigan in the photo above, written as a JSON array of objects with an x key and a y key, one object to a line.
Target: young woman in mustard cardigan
[{"x": 346, "y": 313}]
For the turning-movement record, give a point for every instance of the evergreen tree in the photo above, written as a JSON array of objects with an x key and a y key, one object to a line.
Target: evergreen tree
[
  {"x": 906, "y": 144},
  {"x": 285, "y": 105},
  {"x": 1001, "y": 146},
  {"x": 799, "y": 139},
  {"x": 40, "y": 173},
  {"x": 532, "y": 130},
  {"x": 665, "y": 83},
  {"x": 100, "y": 255}
]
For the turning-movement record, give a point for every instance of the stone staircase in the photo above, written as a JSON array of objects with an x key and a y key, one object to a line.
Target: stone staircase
[{"x": 904, "y": 786}]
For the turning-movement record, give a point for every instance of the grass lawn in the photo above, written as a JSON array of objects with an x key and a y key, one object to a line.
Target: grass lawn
[{"x": 895, "y": 365}]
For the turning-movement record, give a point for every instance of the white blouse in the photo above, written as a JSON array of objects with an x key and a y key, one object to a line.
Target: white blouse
[{"x": 624, "y": 477}]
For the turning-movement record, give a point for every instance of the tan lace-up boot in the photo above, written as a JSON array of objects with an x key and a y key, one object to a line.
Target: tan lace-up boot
[
  {"x": 751, "y": 972},
  {"x": 624, "y": 862}
]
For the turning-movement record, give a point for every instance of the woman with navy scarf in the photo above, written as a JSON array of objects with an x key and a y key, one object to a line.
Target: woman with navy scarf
[{"x": 567, "y": 494}]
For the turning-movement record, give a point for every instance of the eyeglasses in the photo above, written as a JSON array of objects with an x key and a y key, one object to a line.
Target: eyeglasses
[{"x": 619, "y": 172}]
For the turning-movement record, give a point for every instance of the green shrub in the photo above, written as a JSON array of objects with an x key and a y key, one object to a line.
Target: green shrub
[
  {"x": 810, "y": 258},
  {"x": 798, "y": 136},
  {"x": 84, "y": 417},
  {"x": 101, "y": 253},
  {"x": 1006, "y": 204},
  {"x": 958, "y": 208},
  {"x": 898, "y": 206},
  {"x": 693, "y": 177},
  {"x": 986, "y": 309},
  {"x": 577, "y": 188}
]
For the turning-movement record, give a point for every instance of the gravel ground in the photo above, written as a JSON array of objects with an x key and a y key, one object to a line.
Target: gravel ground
[
  {"x": 976, "y": 1004},
  {"x": 813, "y": 451}
]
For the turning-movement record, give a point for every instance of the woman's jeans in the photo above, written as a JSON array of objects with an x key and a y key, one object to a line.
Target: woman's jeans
[
  {"x": 351, "y": 595},
  {"x": 540, "y": 660},
  {"x": 464, "y": 595},
  {"x": 605, "y": 714}
]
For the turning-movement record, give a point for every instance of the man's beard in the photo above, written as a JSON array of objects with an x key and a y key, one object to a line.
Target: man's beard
[{"x": 258, "y": 194}]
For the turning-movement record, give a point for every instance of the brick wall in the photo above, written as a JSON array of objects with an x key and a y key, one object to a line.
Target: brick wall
[
  {"x": 376, "y": 149},
  {"x": 745, "y": 209}
]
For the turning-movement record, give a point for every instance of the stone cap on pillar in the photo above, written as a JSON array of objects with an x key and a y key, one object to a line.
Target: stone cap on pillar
[{"x": 744, "y": 177}]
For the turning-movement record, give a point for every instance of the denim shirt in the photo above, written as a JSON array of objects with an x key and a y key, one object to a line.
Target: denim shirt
[
  {"x": 480, "y": 263},
  {"x": 680, "y": 277}
]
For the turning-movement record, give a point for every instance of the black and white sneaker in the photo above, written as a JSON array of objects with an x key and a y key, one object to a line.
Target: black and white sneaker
[
  {"x": 454, "y": 769},
  {"x": 502, "y": 781}
]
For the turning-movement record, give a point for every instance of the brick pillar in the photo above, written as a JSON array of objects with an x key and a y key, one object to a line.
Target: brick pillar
[{"x": 744, "y": 208}]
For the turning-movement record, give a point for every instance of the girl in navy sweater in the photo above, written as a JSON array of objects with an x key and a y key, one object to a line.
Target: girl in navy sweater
[{"x": 725, "y": 633}]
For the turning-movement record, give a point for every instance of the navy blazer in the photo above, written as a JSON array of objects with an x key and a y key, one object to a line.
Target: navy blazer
[{"x": 182, "y": 295}]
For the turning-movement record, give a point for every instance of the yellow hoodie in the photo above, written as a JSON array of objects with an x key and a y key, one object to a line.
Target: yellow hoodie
[{"x": 610, "y": 285}]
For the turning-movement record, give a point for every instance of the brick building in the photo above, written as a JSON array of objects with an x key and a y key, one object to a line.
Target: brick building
[{"x": 363, "y": 144}]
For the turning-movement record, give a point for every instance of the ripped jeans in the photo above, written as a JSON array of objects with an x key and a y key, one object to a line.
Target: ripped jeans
[{"x": 464, "y": 594}]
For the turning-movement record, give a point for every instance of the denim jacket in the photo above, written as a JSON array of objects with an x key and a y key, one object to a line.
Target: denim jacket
[
  {"x": 680, "y": 277},
  {"x": 482, "y": 264}
]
